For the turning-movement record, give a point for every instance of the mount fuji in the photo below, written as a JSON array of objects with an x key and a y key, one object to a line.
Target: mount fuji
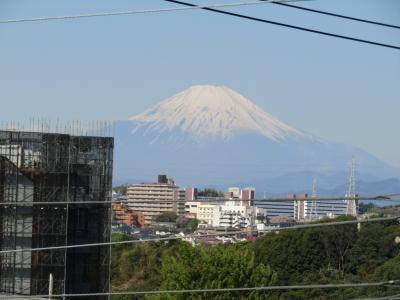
[
  {"x": 210, "y": 112},
  {"x": 212, "y": 135}
]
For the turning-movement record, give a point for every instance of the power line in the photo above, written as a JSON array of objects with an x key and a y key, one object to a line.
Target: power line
[
  {"x": 134, "y": 12},
  {"x": 390, "y": 297},
  {"x": 336, "y": 15},
  {"x": 241, "y": 289},
  {"x": 386, "y": 197},
  {"x": 288, "y": 25},
  {"x": 201, "y": 236},
  {"x": 18, "y": 297}
]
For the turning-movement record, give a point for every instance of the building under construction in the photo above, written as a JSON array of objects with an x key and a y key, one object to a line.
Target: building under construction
[{"x": 36, "y": 170}]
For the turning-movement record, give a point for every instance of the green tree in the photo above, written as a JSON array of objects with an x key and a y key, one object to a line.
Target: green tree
[
  {"x": 122, "y": 189},
  {"x": 337, "y": 243},
  {"x": 290, "y": 253},
  {"x": 215, "y": 267},
  {"x": 208, "y": 192},
  {"x": 389, "y": 270},
  {"x": 366, "y": 207},
  {"x": 135, "y": 267},
  {"x": 167, "y": 216},
  {"x": 192, "y": 225},
  {"x": 374, "y": 245},
  {"x": 331, "y": 254},
  {"x": 293, "y": 253}
]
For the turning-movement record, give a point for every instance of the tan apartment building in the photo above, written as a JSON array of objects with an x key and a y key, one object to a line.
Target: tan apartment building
[{"x": 152, "y": 199}]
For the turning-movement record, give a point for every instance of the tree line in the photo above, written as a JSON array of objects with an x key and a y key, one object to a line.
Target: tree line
[{"x": 333, "y": 254}]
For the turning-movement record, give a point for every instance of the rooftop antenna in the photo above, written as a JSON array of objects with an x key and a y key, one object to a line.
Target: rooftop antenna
[{"x": 351, "y": 208}]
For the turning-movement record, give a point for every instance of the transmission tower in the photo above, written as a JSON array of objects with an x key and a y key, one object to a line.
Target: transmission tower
[
  {"x": 351, "y": 208},
  {"x": 313, "y": 213}
]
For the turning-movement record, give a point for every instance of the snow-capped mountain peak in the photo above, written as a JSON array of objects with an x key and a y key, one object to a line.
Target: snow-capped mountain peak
[{"x": 206, "y": 111}]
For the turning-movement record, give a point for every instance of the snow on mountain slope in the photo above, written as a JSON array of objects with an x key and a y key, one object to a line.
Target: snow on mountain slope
[
  {"x": 213, "y": 135},
  {"x": 206, "y": 111}
]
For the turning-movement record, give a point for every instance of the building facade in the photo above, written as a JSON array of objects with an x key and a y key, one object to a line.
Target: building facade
[
  {"x": 307, "y": 209},
  {"x": 248, "y": 194},
  {"x": 278, "y": 209},
  {"x": 235, "y": 214},
  {"x": 152, "y": 199},
  {"x": 37, "y": 169},
  {"x": 126, "y": 215},
  {"x": 201, "y": 210},
  {"x": 303, "y": 208},
  {"x": 190, "y": 194}
]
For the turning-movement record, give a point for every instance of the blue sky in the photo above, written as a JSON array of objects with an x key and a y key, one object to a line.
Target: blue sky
[{"x": 115, "y": 67}]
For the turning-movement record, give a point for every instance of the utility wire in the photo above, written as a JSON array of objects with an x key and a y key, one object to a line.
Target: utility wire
[
  {"x": 315, "y": 225},
  {"x": 241, "y": 289},
  {"x": 386, "y": 197},
  {"x": 134, "y": 12},
  {"x": 309, "y": 225},
  {"x": 336, "y": 15},
  {"x": 288, "y": 25},
  {"x": 390, "y": 297}
]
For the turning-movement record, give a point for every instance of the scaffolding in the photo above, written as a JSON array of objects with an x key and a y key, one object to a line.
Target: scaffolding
[{"x": 49, "y": 167}]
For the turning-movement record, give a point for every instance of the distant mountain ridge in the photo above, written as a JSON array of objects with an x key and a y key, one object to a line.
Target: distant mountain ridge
[
  {"x": 327, "y": 184},
  {"x": 212, "y": 135},
  {"x": 301, "y": 182}
]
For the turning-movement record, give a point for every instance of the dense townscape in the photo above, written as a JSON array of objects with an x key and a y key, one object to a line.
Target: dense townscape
[
  {"x": 337, "y": 254},
  {"x": 247, "y": 247},
  {"x": 200, "y": 150}
]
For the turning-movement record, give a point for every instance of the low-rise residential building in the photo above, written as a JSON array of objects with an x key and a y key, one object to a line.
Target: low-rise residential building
[
  {"x": 126, "y": 215},
  {"x": 230, "y": 213},
  {"x": 119, "y": 227},
  {"x": 238, "y": 215},
  {"x": 201, "y": 210},
  {"x": 233, "y": 220}
]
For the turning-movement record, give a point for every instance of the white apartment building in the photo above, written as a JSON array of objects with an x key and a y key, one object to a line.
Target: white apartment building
[
  {"x": 303, "y": 208},
  {"x": 233, "y": 220},
  {"x": 225, "y": 214},
  {"x": 203, "y": 211}
]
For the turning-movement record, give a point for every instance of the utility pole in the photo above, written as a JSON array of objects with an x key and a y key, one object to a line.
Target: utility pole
[
  {"x": 351, "y": 208},
  {"x": 313, "y": 213},
  {"x": 51, "y": 284}
]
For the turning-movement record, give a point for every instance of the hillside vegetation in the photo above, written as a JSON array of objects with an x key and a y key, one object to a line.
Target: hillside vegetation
[{"x": 334, "y": 254}]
